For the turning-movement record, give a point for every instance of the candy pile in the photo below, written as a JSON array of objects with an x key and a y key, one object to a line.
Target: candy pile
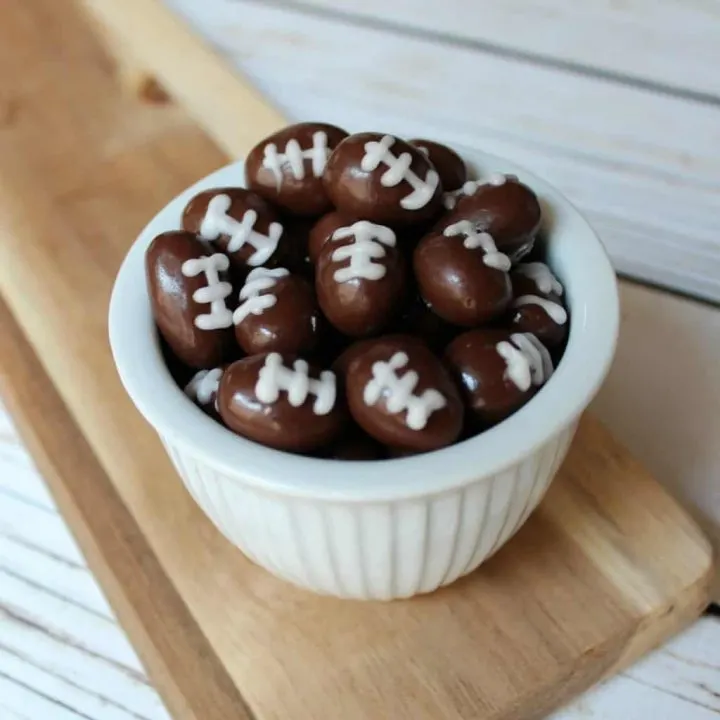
[{"x": 362, "y": 299}]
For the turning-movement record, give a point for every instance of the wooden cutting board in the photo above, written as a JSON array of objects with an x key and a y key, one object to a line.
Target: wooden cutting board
[{"x": 607, "y": 568}]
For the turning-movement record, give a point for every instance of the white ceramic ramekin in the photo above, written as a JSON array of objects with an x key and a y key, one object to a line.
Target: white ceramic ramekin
[{"x": 392, "y": 528}]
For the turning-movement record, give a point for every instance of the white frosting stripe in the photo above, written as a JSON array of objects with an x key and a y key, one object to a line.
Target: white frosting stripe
[
  {"x": 378, "y": 152},
  {"x": 275, "y": 378},
  {"x": 400, "y": 392},
  {"x": 473, "y": 239},
  {"x": 542, "y": 276},
  {"x": 528, "y": 360},
  {"x": 254, "y": 292},
  {"x": 214, "y": 293},
  {"x": 555, "y": 311},
  {"x": 204, "y": 385},
  {"x": 217, "y": 222},
  {"x": 450, "y": 199},
  {"x": 294, "y": 157},
  {"x": 497, "y": 179},
  {"x": 369, "y": 243}
]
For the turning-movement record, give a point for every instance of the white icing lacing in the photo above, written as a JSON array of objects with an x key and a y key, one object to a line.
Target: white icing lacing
[
  {"x": 450, "y": 199},
  {"x": 368, "y": 245},
  {"x": 204, "y": 386},
  {"x": 528, "y": 360},
  {"x": 258, "y": 281},
  {"x": 215, "y": 292},
  {"x": 377, "y": 152},
  {"x": 217, "y": 222},
  {"x": 556, "y": 312},
  {"x": 473, "y": 240},
  {"x": 294, "y": 157},
  {"x": 542, "y": 276},
  {"x": 400, "y": 391},
  {"x": 274, "y": 377}
]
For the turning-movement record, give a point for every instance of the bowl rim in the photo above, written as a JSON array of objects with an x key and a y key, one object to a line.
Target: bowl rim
[{"x": 594, "y": 308}]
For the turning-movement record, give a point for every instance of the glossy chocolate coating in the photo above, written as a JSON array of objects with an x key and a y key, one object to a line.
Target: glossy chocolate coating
[
  {"x": 173, "y": 307},
  {"x": 391, "y": 428},
  {"x": 291, "y": 325},
  {"x": 456, "y": 283},
  {"x": 361, "y": 193},
  {"x": 241, "y": 201},
  {"x": 449, "y": 165},
  {"x": 481, "y": 372},
  {"x": 510, "y": 212},
  {"x": 532, "y": 318},
  {"x": 359, "y": 306},
  {"x": 277, "y": 424},
  {"x": 342, "y": 363},
  {"x": 322, "y": 231},
  {"x": 301, "y": 193}
]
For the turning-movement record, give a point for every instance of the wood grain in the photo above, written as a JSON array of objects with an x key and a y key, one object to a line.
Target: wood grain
[
  {"x": 144, "y": 31},
  {"x": 591, "y": 582}
]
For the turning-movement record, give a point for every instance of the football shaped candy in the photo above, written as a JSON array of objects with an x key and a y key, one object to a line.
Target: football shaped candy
[
  {"x": 189, "y": 298},
  {"x": 287, "y": 167},
  {"x": 281, "y": 401},
  {"x": 505, "y": 209},
  {"x": 277, "y": 313},
  {"x": 462, "y": 276},
  {"x": 382, "y": 179},
  {"x": 401, "y": 395},
  {"x": 498, "y": 371},
  {"x": 360, "y": 278},
  {"x": 238, "y": 222}
]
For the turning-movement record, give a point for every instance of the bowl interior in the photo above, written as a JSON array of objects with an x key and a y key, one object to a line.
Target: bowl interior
[{"x": 575, "y": 254}]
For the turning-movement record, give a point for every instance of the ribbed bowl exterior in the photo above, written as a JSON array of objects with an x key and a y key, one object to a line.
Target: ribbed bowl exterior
[{"x": 375, "y": 550}]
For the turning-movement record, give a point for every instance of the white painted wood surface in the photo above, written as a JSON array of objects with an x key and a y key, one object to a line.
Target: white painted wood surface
[
  {"x": 63, "y": 657},
  {"x": 615, "y": 101},
  {"x": 669, "y": 44}
]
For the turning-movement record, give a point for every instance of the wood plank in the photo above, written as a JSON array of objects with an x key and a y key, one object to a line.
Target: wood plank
[
  {"x": 153, "y": 38},
  {"x": 653, "y": 189},
  {"x": 688, "y": 668},
  {"x": 26, "y": 524},
  {"x": 670, "y": 44}
]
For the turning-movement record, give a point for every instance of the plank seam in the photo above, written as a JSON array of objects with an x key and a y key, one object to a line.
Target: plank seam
[
  {"x": 482, "y": 46},
  {"x": 67, "y": 681}
]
